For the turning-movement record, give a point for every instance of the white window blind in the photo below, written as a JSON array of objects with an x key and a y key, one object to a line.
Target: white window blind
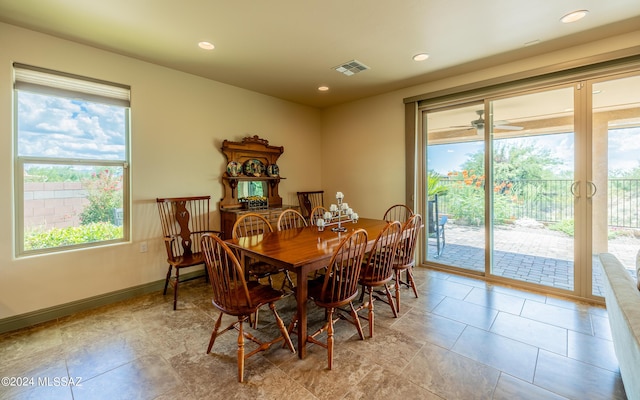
[{"x": 40, "y": 80}]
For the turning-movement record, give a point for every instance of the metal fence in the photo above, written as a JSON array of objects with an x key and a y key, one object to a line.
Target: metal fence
[
  {"x": 623, "y": 198},
  {"x": 552, "y": 201}
]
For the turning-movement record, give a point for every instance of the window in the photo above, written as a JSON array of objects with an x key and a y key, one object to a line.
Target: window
[{"x": 71, "y": 151}]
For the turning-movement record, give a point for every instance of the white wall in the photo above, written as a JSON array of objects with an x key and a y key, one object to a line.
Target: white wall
[
  {"x": 178, "y": 124},
  {"x": 363, "y": 141}
]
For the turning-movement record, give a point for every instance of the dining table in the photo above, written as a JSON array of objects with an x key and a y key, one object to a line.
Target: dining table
[{"x": 303, "y": 251}]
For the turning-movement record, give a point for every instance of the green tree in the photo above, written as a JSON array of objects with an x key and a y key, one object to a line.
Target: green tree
[
  {"x": 57, "y": 173},
  {"x": 512, "y": 163}
]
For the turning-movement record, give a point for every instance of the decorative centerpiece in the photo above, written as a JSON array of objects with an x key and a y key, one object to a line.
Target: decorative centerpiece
[{"x": 337, "y": 214}]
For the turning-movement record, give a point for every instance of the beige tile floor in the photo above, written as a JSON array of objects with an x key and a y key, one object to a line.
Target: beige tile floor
[{"x": 461, "y": 339}]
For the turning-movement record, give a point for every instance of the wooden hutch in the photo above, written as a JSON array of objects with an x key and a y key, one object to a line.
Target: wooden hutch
[{"x": 250, "y": 182}]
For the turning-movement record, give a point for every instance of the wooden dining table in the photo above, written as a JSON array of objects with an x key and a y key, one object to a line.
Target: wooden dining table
[{"x": 302, "y": 250}]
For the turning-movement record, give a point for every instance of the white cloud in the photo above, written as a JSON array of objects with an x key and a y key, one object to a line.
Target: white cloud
[{"x": 60, "y": 127}]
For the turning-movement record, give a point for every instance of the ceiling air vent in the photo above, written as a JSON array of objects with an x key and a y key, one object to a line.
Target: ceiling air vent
[{"x": 351, "y": 67}]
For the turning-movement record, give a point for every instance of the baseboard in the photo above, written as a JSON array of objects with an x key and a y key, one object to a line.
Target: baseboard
[{"x": 63, "y": 310}]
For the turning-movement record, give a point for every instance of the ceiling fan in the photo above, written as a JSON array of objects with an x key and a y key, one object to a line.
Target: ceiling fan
[{"x": 478, "y": 124}]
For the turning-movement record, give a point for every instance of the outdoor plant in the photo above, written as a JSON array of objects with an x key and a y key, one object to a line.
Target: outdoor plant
[
  {"x": 566, "y": 226},
  {"x": 93, "y": 232},
  {"x": 104, "y": 192},
  {"x": 434, "y": 185},
  {"x": 466, "y": 199}
]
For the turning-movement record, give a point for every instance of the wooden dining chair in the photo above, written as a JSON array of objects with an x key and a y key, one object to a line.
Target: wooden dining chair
[
  {"x": 316, "y": 214},
  {"x": 234, "y": 296},
  {"x": 290, "y": 219},
  {"x": 405, "y": 256},
  {"x": 251, "y": 224},
  {"x": 309, "y": 200},
  {"x": 184, "y": 220},
  {"x": 337, "y": 288},
  {"x": 398, "y": 212},
  {"x": 377, "y": 271}
]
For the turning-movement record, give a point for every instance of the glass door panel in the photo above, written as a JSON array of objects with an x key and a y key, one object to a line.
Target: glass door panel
[
  {"x": 615, "y": 179},
  {"x": 532, "y": 169},
  {"x": 456, "y": 200}
]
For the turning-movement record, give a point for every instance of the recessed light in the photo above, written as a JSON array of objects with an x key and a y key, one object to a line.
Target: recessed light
[
  {"x": 574, "y": 16},
  {"x": 531, "y": 43},
  {"x": 206, "y": 45},
  {"x": 323, "y": 88},
  {"x": 420, "y": 57}
]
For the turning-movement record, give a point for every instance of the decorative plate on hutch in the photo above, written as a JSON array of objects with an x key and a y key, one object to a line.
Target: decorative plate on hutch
[
  {"x": 233, "y": 168},
  {"x": 253, "y": 167},
  {"x": 273, "y": 170}
]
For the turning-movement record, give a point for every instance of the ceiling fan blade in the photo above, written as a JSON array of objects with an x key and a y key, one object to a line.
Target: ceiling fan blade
[
  {"x": 460, "y": 127},
  {"x": 508, "y": 127},
  {"x": 505, "y": 126}
]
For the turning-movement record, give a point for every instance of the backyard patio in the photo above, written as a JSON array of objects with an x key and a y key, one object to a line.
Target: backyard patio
[{"x": 535, "y": 255}]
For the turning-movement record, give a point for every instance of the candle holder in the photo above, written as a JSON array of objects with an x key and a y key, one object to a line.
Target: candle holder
[{"x": 339, "y": 214}]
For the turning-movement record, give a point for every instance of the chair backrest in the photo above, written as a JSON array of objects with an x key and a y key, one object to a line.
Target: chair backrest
[
  {"x": 379, "y": 265},
  {"x": 340, "y": 284},
  {"x": 316, "y": 213},
  {"x": 184, "y": 220},
  {"x": 434, "y": 215},
  {"x": 230, "y": 292},
  {"x": 250, "y": 224},
  {"x": 408, "y": 240},
  {"x": 290, "y": 219},
  {"x": 398, "y": 212},
  {"x": 309, "y": 200}
]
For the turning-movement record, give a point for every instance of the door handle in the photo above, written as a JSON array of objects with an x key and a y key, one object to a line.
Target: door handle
[
  {"x": 574, "y": 192},
  {"x": 594, "y": 189}
]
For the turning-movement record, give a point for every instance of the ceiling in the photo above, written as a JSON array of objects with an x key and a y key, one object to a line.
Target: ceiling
[{"x": 288, "y": 48}]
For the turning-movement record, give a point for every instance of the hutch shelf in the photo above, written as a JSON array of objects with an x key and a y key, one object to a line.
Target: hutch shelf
[{"x": 243, "y": 183}]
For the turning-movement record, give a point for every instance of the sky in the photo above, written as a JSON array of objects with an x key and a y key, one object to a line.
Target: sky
[
  {"x": 624, "y": 151},
  {"x": 51, "y": 126}
]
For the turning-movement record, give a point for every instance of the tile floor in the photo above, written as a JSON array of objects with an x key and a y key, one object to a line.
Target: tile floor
[{"x": 461, "y": 339}]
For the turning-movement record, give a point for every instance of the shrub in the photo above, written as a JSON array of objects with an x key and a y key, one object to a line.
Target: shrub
[
  {"x": 466, "y": 199},
  {"x": 565, "y": 226},
  {"x": 94, "y": 232},
  {"x": 104, "y": 194}
]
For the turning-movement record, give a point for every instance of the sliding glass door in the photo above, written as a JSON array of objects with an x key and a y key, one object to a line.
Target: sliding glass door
[
  {"x": 614, "y": 185},
  {"x": 531, "y": 186},
  {"x": 454, "y": 227}
]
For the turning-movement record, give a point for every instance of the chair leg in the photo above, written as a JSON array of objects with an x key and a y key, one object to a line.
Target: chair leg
[
  {"x": 283, "y": 330},
  {"x": 397, "y": 287},
  {"x": 371, "y": 317},
  {"x": 166, "y": 282},
  {"x": 362, "y": 292},
  {"x": 356, "y": 320},
  {"x": 175, "y": 289},
  {"x": 390, "y": 301},
  {"x": 412, "y": 281},
  {"x": 330, "y": 338},
  {"x": 240, "y": 350},
  {"x": 214, "y": 334},
  {"x": 288, "y": 280}
]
